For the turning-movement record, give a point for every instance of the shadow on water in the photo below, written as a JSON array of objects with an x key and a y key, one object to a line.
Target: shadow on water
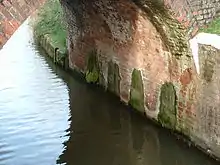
[{"x": 104, "y": 131}]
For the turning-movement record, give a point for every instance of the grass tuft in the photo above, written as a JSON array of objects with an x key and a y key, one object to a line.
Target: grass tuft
[{"x": 213, "y": 27}]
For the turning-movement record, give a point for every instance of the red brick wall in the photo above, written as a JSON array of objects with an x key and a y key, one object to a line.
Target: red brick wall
[
  {"x": 194, "y": 14},
  {"x": 128, "y": 35},
  {"x": 141, "y": 35},
  {"x": 12, "y": 14}
]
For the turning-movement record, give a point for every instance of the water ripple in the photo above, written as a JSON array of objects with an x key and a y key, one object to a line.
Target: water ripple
[{"x": 34, "y": 105}]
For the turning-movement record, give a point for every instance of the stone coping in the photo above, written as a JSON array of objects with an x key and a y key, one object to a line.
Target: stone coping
[{"x": 205, "y": 39}]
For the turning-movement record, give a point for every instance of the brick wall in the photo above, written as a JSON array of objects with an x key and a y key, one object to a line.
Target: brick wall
[
  {"x": 207, "y": 113},
  {"x": 138, "y": 50},
  {"x": 194, "y": 14},
  {"x": 12, "y": 14}
]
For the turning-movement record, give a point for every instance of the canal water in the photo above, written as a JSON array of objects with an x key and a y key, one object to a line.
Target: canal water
[{"x": 47, "y": 117}]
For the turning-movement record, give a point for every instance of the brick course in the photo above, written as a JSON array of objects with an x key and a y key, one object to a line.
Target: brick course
[
  {"x": 194, "y": 14},
  {"x": 12, "y": 14}
]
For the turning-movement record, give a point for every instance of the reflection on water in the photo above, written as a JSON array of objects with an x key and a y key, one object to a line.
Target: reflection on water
[
  {"x": 34, "y": 105},
  {"x": 47, "y": 117}
]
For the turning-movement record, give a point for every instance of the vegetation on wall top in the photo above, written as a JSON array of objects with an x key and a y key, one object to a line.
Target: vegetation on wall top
[
  {"x": 49, "y": 21},
  {"x": 213, "y": 27}
]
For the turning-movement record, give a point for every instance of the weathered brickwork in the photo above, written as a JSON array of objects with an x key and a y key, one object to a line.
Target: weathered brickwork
[
  {"x": 12, "y": 14},
  {"x": 191, "y": 13},
  {"x": 194, "y": 13},
  {"x": 138, "y": 50},
  {"x": 208, "y": 114}
]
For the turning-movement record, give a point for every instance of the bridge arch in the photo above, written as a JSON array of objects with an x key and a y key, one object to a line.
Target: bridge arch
[{"x": 144, "y": 35}]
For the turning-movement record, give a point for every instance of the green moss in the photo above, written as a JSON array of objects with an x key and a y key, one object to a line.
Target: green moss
[
  {"x": 92, "y": 77},
  {"x": 137, "y": 91},
  {"x": 113, "y": 78},
  {"x": 92, "y": 71},
  {"x": 167, "y": 114},
  {"x": 208, "y": 70},
  {"x": 50, "y": 21}
]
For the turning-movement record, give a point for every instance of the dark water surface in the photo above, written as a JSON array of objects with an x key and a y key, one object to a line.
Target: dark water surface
[{"x": 47, "y": 118}]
